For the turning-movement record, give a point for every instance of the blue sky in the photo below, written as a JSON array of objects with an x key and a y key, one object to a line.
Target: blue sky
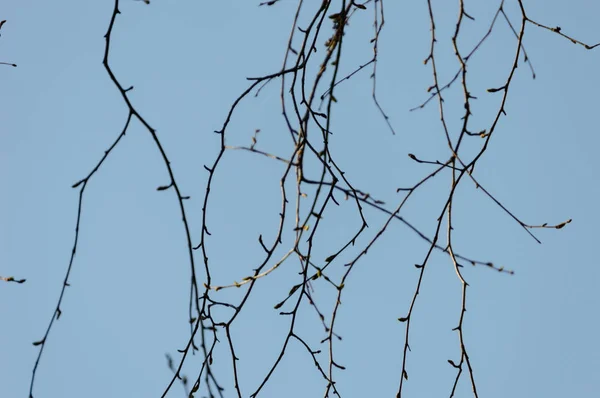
[{"x": 530, "y": 334}]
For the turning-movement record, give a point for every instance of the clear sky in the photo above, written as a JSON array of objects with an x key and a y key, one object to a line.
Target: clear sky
[{"x": 531, "y": 334}]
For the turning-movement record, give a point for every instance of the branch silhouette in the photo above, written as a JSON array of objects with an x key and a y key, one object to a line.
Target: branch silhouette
[{"x": 312, "y": 180}]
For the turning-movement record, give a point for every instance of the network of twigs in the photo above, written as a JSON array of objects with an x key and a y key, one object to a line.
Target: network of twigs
[{"x": 304, "y": 74}]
